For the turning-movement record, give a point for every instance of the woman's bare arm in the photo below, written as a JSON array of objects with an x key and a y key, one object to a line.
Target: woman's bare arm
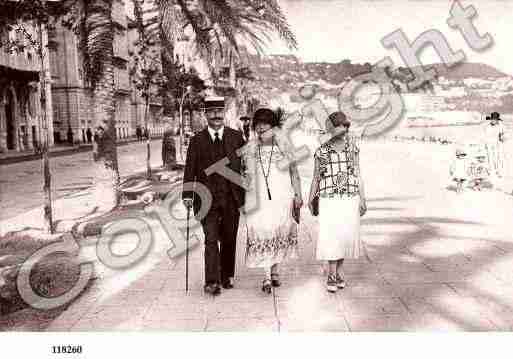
[
  {"x": 286, "y": 149},
  {"x": 296, "y": 181},
  {"x": 361, "y": 186},
  {"x": 314, "y": 186}
]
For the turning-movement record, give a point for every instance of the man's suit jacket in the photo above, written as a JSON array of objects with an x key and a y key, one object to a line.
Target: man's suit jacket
[{"x": 200, "y": 157}]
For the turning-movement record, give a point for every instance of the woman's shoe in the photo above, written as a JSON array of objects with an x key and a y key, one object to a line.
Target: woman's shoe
[
  {"x": 275, "y": 280},
  {"x": 331, "y": 283},
  {"x": 341, "y": 283},
  {"x": 267, "y": 286}
]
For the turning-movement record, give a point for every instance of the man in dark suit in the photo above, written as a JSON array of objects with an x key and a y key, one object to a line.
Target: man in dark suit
[{"x": 221, "y": 222}]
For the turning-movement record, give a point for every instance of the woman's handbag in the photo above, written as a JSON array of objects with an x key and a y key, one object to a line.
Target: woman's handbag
[
  {"x": 315, "y": 206},
  {"x": 363, "y": 209},
  {"x": 296, "y": 212}
]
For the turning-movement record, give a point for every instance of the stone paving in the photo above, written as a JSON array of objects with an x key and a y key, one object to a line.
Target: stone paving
[{"x": 436, "y": 261}]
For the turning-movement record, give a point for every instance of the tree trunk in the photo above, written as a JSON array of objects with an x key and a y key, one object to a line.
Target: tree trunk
[
  {"x": 231, "y": 100},
  {"x": 47, "y": 189},
  {"x": 45, "y": 162},
  {"x": 100, "y": 40},
  {"x": 148, "y": 150}
]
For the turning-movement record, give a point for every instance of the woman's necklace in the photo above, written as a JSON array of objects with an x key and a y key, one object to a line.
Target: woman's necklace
[{"x": 266, "y": 175}]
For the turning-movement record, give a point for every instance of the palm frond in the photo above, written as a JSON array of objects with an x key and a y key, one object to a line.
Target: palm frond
[{"x": 272, "y": 14}]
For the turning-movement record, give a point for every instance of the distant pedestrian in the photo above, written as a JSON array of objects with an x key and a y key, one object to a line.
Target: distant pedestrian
[
  {"x": 244, "y": 127},
  {"x": 98, "y": 142},
  {"x": 494, "y": 138},
  {"x": 479, "y": 171},
  {"x": 168, "y": 150},
  {"x": 21, "y": 140},
  {"x": 70, "y": 137},
  {"x": 89, "y": 135},
  {"x": 138, "y": 133},
  {"x": 458, "y": 169}
]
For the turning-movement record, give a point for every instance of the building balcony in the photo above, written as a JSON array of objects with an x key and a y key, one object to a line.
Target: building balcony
[
  {"x": 27, "y": 61},
  {"x": 121, "y": 80},
  {"x": 156, "y": 100},
  {"x": 120, "y": 46}
]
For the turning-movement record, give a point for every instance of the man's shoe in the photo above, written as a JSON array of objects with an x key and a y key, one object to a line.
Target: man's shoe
[
  {"x": 212, "y": 289},
  {"x": 218, "y": 289},
  {"x": 227, "y": 284}
]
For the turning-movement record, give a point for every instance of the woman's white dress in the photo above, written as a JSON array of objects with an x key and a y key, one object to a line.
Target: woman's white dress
[
  {"x": 339, "y": 202},
  {"x": 270, "y": 230},
  {"x": 459, "y": 169},
  {"x": 339, "y": 228},
  {"x": 495, "y": 148}
]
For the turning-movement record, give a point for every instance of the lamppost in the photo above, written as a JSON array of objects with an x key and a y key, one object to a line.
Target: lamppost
[{"x": 182, "y": 125}]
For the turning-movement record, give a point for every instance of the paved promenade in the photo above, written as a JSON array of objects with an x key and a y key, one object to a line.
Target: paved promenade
[
  {"x": 12, "y": 157},
  {"x": 435, "y": 261},
  {"x": 21, "y": 184}
]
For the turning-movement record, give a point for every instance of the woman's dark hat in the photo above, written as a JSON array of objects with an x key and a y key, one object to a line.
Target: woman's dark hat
[
  {"x": 265, "y": 115},
  {"x": 460, "y": 152},
  {"x": 495, "y": 116}
]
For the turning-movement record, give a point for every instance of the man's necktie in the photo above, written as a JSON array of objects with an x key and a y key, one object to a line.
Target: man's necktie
[{"x": 217, "y": 140}]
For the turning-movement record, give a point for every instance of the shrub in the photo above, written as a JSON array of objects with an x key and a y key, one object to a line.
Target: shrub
[{"x": 52, "y": 276}]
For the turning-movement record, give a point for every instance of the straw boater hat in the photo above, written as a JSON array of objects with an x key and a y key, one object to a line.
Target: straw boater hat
[{"x": 213, "y": 103}]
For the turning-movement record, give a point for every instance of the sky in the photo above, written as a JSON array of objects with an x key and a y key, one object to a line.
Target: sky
[{"x": 333, "y": 30}]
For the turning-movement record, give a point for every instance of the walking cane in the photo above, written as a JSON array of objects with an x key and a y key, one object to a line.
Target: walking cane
[{"x": 187, "y": 252}]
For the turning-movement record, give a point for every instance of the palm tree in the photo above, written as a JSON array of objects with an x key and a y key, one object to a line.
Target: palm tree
[
  {"x": 145, "y": 72},
  {"x": 221, "y": 26},
  {"x": 233, "y": 23},
  {"x": 92, "y": 22}
]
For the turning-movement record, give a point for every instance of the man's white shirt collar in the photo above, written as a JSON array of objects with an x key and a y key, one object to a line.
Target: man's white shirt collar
[{"x": 212, "y": 133}]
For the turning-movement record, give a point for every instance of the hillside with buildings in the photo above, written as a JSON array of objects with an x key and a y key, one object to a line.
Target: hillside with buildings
[
  {"x": 457, "y": 96},
  {"x": 452, "y": 107},
  {"x": 461, "y": 85}
]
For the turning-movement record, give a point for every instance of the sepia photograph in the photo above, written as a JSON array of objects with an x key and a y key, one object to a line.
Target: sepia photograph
[{"x": 255, "y": 166}]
